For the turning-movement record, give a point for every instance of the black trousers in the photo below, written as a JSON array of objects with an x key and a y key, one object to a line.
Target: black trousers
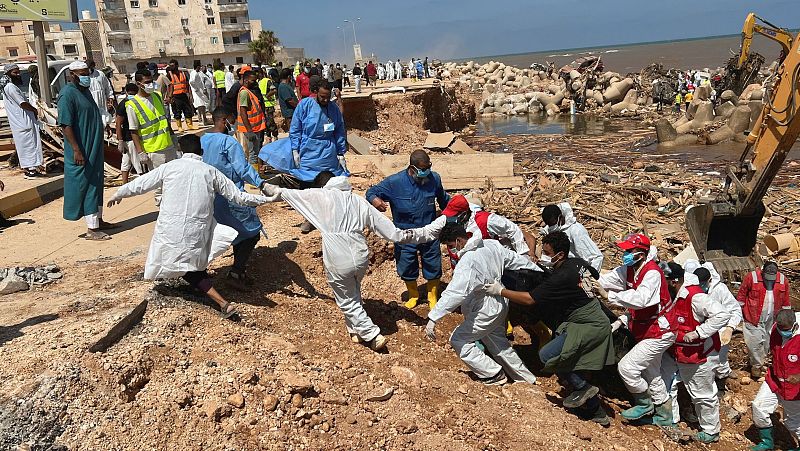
[
  {"x": 198, "y": 279},
  {"x": 242, "y": 252},
  {"x": 181, "y": 108}
]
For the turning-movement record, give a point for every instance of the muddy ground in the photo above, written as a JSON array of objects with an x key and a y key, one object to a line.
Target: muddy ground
[{"x": 286, "y": 376}]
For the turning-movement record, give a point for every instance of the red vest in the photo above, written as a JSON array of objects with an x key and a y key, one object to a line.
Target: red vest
[
  {"x": 643, "y": 323},
  {"x": 683, "y": 321},
  {"x": 785, "y": 362},
  {"x": 482, "y": 221}
]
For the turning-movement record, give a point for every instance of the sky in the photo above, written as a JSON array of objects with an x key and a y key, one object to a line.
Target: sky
[{"x": 450, "y": 29}]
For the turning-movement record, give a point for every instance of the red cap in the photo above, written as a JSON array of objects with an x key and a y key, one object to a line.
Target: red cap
[
  {"x": 458, "y": 204},
  {"x": 634, "y": 241}
]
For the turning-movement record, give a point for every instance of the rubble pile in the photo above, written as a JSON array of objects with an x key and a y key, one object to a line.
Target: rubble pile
[
  {"x": 17, "y": 279},
  {"x": 707, "y": 123}
]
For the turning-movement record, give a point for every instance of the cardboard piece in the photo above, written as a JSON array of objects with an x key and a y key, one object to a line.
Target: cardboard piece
[{"x": 439, "y": 140}]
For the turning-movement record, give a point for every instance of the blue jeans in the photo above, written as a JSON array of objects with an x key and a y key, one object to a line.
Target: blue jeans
[
  {"x": 408, "y": 256},
  {"x": 551, "y": 350}
]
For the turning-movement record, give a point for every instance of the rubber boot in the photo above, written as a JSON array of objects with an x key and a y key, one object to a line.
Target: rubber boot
[
  {"x": 663, "y": 414},
  {"x": 509, "y": 329},
  {"x": 642, "y": 407},
  {"x": 766, "y": 442},
  {"x": 413, "y": 293},
  {"x": 190, "y": 125},
  {"x": 178, "y": 125},
  {"x": 706, "y": 438},
  {"x": 433, "y": 292}
]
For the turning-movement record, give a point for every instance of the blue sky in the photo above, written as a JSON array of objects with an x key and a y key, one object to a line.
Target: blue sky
[{"x": 464, "y": 28}]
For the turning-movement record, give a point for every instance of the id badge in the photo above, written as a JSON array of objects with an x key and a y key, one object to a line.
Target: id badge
[{"x": 328, "y": 127}]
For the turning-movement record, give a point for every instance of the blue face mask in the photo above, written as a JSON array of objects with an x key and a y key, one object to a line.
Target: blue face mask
[
  {"x": 423, "y": 173},
  {"x": 786, "y": 333},
  {"x": 629, "y": 258},
  {"x": 85, "y": 80},
  {"x": 705, "y": 288}
]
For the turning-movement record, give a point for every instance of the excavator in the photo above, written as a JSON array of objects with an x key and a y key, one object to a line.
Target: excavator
[
  {"x": 724, "y": 230},
  {"x": 774, "y": 32}
]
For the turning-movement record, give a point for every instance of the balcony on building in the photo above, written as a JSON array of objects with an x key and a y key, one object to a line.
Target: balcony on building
[
  {"x": 241, "y": 27},
  {"x": 119, "y": 34},
  {"x": 113, "y": 9},
  {"x": 238, "y": 47},
  {"x": 232, "y": 6}
]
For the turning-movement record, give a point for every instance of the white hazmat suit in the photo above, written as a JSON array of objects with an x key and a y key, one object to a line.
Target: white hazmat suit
[
  {"x": 197, "y": 82},
  {"x": 484, "y": 315},
  {"x": 581, "y": 244},
  {"x": 186, "y": 236},
  {"x": 640, "y": 369},
  {"x": 341, "y": 216},
  {"x": 699, "y": 377}
]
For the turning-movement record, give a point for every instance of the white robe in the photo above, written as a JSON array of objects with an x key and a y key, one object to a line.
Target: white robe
[
  {"x": 101, "y": 91},
  {"x": 24, "y": 128},
  {"x": 197, "y": 81},
  {"x": 186, "y": 236},
  {"x": 398, "y": 70},
  {"x": 390, "y": 71}
]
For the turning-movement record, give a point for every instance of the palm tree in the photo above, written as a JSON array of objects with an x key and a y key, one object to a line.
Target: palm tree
[{"x": 263, "y": 48}]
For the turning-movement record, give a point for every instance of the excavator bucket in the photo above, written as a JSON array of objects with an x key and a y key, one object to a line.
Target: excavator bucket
[{"x": 723, "y": 238}]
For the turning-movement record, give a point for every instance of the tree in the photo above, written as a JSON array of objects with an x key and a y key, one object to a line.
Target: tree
[{"x": 263, "y": 48}]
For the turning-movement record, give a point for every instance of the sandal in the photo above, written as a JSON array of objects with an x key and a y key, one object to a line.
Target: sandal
[
  {"x": 227, "y": 311},
  {"x": 96, "y": 236}
]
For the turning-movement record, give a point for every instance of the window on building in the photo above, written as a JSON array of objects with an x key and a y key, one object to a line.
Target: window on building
[
  {"x": 153, "y": 3},
  {"x": 70, "y": 49},
  {"x": 236, "y": 40},
  {"x": 141, "y": 45},
  {"x": 239, "y": 60},
  {"x": 138, "y": 25},
  {"x": 211, "y": 20},
  {"x": 7, "y": 29},
  {"x": 134, "y": 3},
  {"x": 214, "y": 40},
  {"x": 184, "y": 22},
  {"x": 233, "y": 19},
  {"x": 30, "y": 27},
  {"x": 155, "y": 23},
  {"x": 13, "y": 52},
  {"x": 181, "y": 2},
  {"x": 208, "y": 2},
  {"x": 187, "y": 43}
]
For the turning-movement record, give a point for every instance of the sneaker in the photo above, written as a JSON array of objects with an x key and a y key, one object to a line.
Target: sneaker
[
  {"x": 498, "y": 379},
  {"x": 32, "y": 175},
  {"x": 600, "y": 417},
  {"x": 579, "y": 397},
  {"x": 378, "y": 343}
]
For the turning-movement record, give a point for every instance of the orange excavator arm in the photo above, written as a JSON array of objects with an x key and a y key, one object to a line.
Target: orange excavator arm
[
  {"x": 766, "y": 29},
  {"x": 725, "y": 231}
]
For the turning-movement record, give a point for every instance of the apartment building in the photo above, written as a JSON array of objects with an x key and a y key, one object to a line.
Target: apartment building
[
  {"x": 16, "y": 41},
  {"x": 189, "y": 31}
]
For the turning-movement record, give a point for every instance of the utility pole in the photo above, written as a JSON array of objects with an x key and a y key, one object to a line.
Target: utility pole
[{"x": 40, "y": 48}]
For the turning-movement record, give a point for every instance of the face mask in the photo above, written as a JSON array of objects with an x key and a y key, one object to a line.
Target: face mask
[
  {"x": 705, "y": 288},
  {"x": 546, "y": 261},
  {"x": 630, "y": 259},
  {"x": 786, "y": 333},
  {"x": 84, "y": 80},
  {"x": 150, "y": 88},
  {"x": 228, "y": 127}
]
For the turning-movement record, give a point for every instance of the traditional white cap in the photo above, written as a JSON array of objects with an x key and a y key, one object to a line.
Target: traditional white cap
[
  {"x": 78, "y": 65},
  {"x": 9, "y": 67}
]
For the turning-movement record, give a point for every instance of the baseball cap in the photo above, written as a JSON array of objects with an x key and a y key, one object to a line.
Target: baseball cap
[
  {"x": 634, "y": 241},
  {"x": 457, "y": 205}
]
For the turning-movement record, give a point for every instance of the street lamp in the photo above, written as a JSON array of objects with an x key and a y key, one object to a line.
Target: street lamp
[{"x": 355, "y": 40}]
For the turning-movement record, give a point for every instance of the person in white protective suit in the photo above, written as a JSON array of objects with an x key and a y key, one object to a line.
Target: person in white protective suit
[
  {"x": 722, "y": 294},
  {"x": 484, "y": 315},
  {"x": 398, "y": 70},
  {"x": 186, "y": 237},
  {"x": 341, "y": 217},
  {"x": 782, "y": 382},
  {"x": 698, "y": 319},
  {"x": 102, "y": 92},
  {"x": 390, "y": 71},
  {"x": 197, "y": 82},
  {"x": 640, "y": 287},
  {"x": 560, "y": 218}
]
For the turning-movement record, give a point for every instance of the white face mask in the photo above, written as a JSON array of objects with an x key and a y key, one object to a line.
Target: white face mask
[
  {"x": 546, "y": 261},
  {"x": 150, "y": 88}
]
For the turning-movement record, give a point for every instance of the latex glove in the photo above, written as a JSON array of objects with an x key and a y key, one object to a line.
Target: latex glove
[
  {"x": 270, "y": 190},
  {"x": 725, "y": 335},
  {"x": 691, "y": 337},
  {"x": 430, "y": 330},
  {"x": 296, "y": 157},
  {"x": 494, "y": 288},
  {"x": 616, "y": 325},
  {"x": 342, "y": 162}
]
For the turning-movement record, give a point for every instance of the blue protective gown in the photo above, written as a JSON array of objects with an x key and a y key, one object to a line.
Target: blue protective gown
[
  {"x": 226, "y": 154},
  {"x": 413, "y": 206},
  {"x": 420, "y": 69},
  {"x": 319, "y": 134}
]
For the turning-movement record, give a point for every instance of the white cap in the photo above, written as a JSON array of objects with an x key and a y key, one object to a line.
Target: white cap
[{"x": 78, "y": 65}]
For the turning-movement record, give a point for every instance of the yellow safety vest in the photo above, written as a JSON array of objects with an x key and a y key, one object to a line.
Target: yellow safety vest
[
  {"x": 153, "y": 125},
  {"x": 263, "y": 85},
  {"x": 219, "y": 78}
]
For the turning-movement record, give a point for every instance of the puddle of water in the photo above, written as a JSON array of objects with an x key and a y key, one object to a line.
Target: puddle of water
[{"x": 535, "y": 124}]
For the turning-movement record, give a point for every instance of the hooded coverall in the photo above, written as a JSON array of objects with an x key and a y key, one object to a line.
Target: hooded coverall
[
  {"x": 484, "y": 315},
  {"x": 318, "y": 134},
  {"x": 581, "y": 244}
]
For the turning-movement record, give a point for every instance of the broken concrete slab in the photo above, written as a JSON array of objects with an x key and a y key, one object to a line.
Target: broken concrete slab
[
  {"x": 439, "y": 140},
  {"x": 459, "y": 146},
  {"x": 121, "y": 328},
  {"x": 360, "y": 145},
  {"x": 12, "y": 285}
]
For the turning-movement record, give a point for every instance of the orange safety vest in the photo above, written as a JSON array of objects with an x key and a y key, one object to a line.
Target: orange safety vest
[
  {"x": 180, "y": 84},
  {"x": 255, "y": 115}
]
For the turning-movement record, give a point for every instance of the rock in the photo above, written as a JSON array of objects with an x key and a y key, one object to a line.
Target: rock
[
  {"x": 11, "y": 285},
  {"x": 333, "y": 397},
  {"x": 325, "y": 426},
  {"x": 583, "y": 433},
  {"x": 270, "y": 403},
  {"x": 702, "y": 117},
  {"x": 658, "y": 444},
  {"x": 638, "y": 164},
  {"x": 351, "y": 419},
  {"x": 215, "y": 410},
  {"x": 628, "y": 103},
  {"x": 183, "y": 399},
  {"x": 236, "y": 400},
  {"x": 297, "y": 400},
  {"x": 756, "y": 106},
  {"x": 463, "y": 389},
  {"x": 380, "y": 394},
  {"x": 406, "y": 427},
  {"x": 297, "y": 383},
  {"x": 745, "y": 380},
  {"x": 405, "y": 376}
]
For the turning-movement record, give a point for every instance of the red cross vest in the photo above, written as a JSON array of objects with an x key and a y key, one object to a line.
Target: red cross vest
[
  {"x": 643, "y": 323},
  {"x": 682, "y": 320},
  {"x": 785, "y": 362}
]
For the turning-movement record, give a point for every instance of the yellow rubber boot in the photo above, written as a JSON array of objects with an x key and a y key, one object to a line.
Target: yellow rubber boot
[
  {"x": 509, "y": 329},
  {"x": 190, "y": 125},
  {"x": 433, "y": 292},
  {"x": 413, "y": 293},
  {"x": 543, "y": 333},
  {"x": 178, "y": 125}
]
